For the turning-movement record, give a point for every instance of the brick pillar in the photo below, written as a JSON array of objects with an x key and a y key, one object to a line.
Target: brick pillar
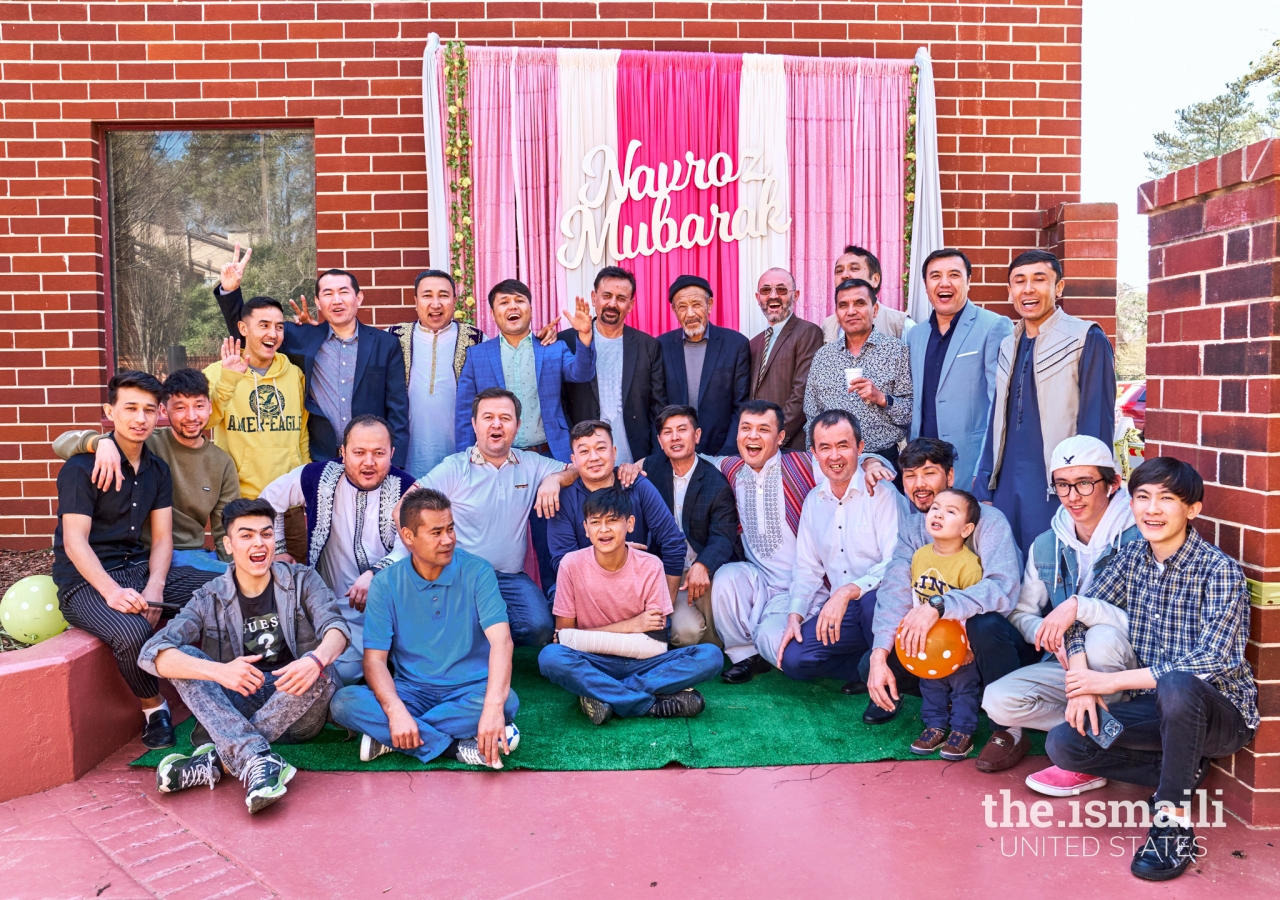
[
  {"x": 1213, "y": 363},
  {"x": 1083, "y": 236}
]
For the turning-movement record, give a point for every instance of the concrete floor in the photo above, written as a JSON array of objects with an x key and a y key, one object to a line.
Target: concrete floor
[{"x": 868, "y": 830}]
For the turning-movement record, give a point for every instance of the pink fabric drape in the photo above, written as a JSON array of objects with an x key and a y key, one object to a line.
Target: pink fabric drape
[
  {"x": 673, "y": 103},
  {"x": 538, "y": 178},
  {"x": 846, "y": 130},
  {"x": 493, "y": 182}
]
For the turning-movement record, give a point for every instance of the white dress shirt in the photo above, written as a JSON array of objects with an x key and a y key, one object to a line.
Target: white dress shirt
[
  {"x": 849, "y": 540},
  {"x": 679, "y": 488}
]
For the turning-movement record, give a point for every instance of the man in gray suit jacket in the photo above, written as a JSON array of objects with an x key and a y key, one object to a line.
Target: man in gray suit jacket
[{"x": 953, "y": 363}]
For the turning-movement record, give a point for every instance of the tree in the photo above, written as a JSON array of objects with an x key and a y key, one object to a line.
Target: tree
[
  {"x": 1131, "y": 333},
  {"x": 1205, "y": 130}
]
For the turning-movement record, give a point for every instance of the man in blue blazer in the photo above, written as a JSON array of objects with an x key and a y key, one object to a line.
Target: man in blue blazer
[
  {"x": 953, "y": 363},
  {"x": 351, "y": 369},
  {"x": 534, "y": 373},
  {"x": 707, "y": 367}
]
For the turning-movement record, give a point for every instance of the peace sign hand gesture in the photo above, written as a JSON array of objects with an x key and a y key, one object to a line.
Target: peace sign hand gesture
[
  {"x": 302, "y": 312},
  {"x": 233, "y": 272}
]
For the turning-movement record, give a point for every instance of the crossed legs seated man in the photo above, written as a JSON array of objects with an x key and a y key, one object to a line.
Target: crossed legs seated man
[
  {"x": 251, "y": 655},
  {"x": 612, "y": 606},
  {"x": 438, "y": 617}
]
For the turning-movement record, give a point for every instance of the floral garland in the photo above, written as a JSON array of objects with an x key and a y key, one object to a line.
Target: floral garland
[
  {"x": 909, "y": 183},
  {"x": 457, "y": 152}
]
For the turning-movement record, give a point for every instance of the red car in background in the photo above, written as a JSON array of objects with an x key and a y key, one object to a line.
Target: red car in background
[{"x": 1132, "y": 402}]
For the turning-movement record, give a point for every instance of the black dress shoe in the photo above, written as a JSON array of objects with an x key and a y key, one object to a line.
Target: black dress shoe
[
  {"x": 200, "y": 735},
  {"x": 854, "y": 687},
  {"x": 874, "y": 715},
  {"x": 1166, "y": 854},
  {"x": 742, "y": 672},
  {"x": 158, "y": 732}
]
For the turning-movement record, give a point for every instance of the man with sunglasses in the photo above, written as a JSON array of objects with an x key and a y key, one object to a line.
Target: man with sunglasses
[
  {"x": 782, "y": 353},
  {"x": 1088, "y": 530}
]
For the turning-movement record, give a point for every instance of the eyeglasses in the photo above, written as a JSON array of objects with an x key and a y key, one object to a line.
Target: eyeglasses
[
  {"x": 1083, "y": 488},
  {"x": 781, "y": 291}
]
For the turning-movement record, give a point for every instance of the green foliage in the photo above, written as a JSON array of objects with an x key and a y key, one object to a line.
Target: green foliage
[
  {"x": 1205, "y": 130},
  {"x": 1131, "y": 333},
  {"x": 179, "y": 201}
]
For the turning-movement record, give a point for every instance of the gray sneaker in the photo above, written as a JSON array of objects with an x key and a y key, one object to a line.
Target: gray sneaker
[
  {"x": 265, "y": 779},
  {"x": 371, "y": 749},
  {"x": 469, "y": 750},
  {"x": 177, "y": 771},
  {"x": 597, "y": 711}
]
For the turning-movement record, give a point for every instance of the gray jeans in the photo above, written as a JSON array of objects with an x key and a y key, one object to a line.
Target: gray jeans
[{"x": 245, "y": 727}]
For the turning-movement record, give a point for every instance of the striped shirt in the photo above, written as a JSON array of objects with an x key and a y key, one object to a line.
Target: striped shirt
[{"x": 1189, "y": 614}]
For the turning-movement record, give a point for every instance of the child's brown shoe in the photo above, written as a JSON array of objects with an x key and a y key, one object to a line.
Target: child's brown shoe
[
  {"x": 930, "y": 740},
  {"x": 958, "y": 746}
]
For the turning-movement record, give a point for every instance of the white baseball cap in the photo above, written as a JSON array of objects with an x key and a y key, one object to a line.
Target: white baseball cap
[{"x": 1082, "y": 450}]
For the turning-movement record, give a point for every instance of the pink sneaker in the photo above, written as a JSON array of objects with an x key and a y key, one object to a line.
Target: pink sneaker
[{"x": 1060, "y": 783}]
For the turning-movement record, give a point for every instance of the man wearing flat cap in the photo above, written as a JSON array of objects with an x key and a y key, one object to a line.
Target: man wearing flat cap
[{"x": 707, "y": 367}]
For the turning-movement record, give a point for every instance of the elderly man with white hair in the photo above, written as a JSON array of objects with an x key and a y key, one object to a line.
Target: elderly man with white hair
[{"x": 1092, "y": 524}]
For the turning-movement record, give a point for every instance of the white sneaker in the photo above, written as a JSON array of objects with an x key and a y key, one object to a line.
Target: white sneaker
[{"x": 371, "y": 749}]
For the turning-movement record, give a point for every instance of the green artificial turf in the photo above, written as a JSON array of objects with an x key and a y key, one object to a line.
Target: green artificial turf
[{"x": 771, "y": 721}]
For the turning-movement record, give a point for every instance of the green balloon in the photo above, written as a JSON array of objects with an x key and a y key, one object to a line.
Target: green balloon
[{"x": 29, "y": 611}]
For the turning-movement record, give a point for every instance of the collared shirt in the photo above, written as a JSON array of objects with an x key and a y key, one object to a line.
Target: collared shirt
[
  {"x": 609, "y": 384},
  {"x": 434, "y": 630},
  {"x": 846, "y": 540},
  {"x": 491, "y": 505},
  {"x": 695, "y": 354},
  {"x": 885, "y": 361},
  {"x": 1189, "y": 615},
  {"x": 679, "y": 489},
  {"x": 333, "y": 378},
  {"x": 433, "y": 388},
  {"x": 118, "y": 516},
  {"x": 521, "y": 375},
  {"x": 934, "y": 355}
]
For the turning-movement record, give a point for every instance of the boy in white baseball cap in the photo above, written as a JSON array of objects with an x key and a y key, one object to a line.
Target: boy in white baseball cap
[{"x": 1091, "y": 525}]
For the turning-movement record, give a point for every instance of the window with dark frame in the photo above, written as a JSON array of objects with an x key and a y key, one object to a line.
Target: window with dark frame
[{"x": 178, "y": 203}]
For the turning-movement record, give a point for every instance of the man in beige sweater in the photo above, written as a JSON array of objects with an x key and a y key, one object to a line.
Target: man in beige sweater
[{"x": 204, "y": 477}]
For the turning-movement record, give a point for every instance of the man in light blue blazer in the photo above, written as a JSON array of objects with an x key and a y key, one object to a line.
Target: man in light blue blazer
[
  {"x": 519, "y": 362},
  {"x": 953, "y": 362}
]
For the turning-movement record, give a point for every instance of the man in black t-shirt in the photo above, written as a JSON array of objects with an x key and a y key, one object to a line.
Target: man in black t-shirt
[
  {"x": 109, "y": 583},
  {"x": 251, "y": 656}
]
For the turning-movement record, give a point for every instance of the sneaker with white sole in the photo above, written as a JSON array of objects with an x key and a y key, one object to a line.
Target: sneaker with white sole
[
  {"x": 371, "y": 749},
  {"x": 469, "y": 750},
  {"x": 265, "y": 779},
  {"x": 1056, "y": 782},
  {"x": 177, "y": 771}
]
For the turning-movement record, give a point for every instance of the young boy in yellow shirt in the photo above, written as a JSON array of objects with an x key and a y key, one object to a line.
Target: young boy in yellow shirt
[{"x": 949, "y": 703}]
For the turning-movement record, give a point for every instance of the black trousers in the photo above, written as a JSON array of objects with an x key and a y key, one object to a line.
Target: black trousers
[
  {"x": 125, "y": 633},
  {"x": 1166, "y": 735}
]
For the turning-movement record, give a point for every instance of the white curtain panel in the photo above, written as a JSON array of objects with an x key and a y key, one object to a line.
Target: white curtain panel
[
  {"x": 926, "y": 230},
  {"x": 762, "y": 128},
  {"x": 587, "y": 117},
  {"x": 433, "y": 132}
]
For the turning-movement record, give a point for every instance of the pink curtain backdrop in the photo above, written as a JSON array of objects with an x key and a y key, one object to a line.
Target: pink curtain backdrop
[
  {"x": 536, "y": 90},
  {"x": 846, "y": 130},
  {"x": 678, "y": 102},
  {"x": 493, "y": 195}
]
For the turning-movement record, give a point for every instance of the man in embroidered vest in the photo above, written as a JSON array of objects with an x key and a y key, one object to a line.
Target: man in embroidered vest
[
  {"x": 351, "y": 529},
  {"x": 1056, "y": 378},
  {"x": 437, "y": 343}
]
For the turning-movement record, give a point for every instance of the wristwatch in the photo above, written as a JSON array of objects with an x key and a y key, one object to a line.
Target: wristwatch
[{"x": 939, "y": 606}]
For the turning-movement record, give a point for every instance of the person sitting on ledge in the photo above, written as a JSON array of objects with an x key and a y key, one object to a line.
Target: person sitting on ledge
[
  {"x": 611, "y": 610},
  {"x": 110, "y": 583},
  {"x": 250, "y": 656},
  {"x": 1194, "y": 699},
  {"x": 437, "y": 616}
]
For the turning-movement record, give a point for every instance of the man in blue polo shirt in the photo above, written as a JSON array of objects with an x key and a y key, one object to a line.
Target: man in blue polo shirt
[{"x": 438, "y": 617}]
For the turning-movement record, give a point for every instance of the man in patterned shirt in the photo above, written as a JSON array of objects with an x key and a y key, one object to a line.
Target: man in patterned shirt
[
  {"x": 1194, "y": 698},
  {"x": 867, "y": 373}
]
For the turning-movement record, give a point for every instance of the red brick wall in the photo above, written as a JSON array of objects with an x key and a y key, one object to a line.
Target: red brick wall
[
  {"x": 1213, "y": 382},
  {"x": 1008, "y": 85}
]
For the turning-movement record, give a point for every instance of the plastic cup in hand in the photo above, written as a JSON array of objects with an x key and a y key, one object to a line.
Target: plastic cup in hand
[{"x": 852, "y": 375}]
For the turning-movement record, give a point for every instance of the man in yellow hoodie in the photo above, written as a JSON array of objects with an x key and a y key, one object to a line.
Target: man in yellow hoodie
[{"x": 258, "y": 412}]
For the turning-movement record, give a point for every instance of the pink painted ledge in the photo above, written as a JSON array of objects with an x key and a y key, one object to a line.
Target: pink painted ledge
[{"x": 63, "y": 709}]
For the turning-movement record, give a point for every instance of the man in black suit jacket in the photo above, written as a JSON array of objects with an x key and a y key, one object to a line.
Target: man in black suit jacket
[
  {"x": 705, "y": 509},
  {"x": 351, "y": 369},
  {"x": 630, "y": 387},
  {"x": 708, "y": 367}
]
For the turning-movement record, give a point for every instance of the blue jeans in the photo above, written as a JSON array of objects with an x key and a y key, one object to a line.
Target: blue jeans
[
  {"x": 527, "y": 610},
  {"x": 629, "y": 685},
  {"x": 810, "y": 658},
  {"x": 444, "y": 713},
  {"x": 961, "y": 691}
]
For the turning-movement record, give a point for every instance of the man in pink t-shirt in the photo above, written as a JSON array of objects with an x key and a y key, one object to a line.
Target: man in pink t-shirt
[{"x": 611, "y": 609}]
